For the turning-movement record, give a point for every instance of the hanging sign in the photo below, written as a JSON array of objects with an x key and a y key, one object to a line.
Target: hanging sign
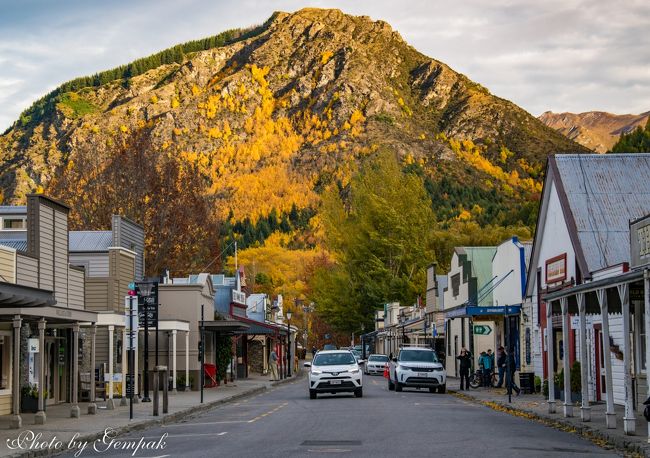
[{"x": 33, "y": 345}]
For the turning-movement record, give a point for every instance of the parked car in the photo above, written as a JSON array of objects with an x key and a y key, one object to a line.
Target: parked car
[
  {"x": 335, "y": 371},
  {"x": 357, "y": 354},
  {"x": 329, "y": 347},
  {"x": 375, "y": 364},
  {"x": 417, "y": 367}
]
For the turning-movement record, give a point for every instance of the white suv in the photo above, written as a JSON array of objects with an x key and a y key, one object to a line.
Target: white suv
[
  {"x": 335, "y": 371},
  {"x": 417, "y": 367}
]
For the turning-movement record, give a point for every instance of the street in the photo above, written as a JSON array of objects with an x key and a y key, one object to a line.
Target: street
[{"x": 283, "y": 421}]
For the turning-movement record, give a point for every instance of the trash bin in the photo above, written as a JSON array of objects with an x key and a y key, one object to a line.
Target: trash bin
[
  {"x": 210, "y": 371},
  {"x": 527, "y": 382}
]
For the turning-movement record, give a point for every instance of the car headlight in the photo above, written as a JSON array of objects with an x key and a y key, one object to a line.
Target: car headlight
[
  {"x": 405, "y": 368},
  {"x": 316, "y": 372},
  {"x": 353, "y": 371}
]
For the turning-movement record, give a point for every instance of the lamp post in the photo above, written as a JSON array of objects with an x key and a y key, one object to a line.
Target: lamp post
[
  {"x": 144, "y": 290},
  {"x": 288, "y": 344},
  {"x": 306, "y": 309}
]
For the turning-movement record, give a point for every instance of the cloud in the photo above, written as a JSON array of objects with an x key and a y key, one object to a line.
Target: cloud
[{"x": 560, "y": 55}]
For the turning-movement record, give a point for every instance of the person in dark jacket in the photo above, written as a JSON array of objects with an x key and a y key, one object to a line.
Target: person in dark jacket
[
  {"x": 511, "y": 370},
  {"x": 501, "y": 365},
  {"x": 465, "y": 359}
]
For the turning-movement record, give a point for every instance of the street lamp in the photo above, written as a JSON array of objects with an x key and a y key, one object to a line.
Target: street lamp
[
  {"x": 145, "y": 291},
  {"x": 288, "y": 344}
]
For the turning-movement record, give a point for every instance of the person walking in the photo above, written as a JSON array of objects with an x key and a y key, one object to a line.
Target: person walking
[
  {"x": 273, "y": 362},
  {"x": 465, "y": 359},
  {"x": 501, "y": 365},
  {"x": 481, "y": 367},
  {"x": 511, "y": 370},
  {"x": 488, "y": 365}
]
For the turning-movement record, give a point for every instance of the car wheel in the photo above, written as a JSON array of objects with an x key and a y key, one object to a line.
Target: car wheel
[
  {"x": 398, "y": 387},
  {"x": 442, "y": 389},
  {"x": 391, "y": 385},
  {"x": 358, "y": 393},
  {"x": 312, "y": 394}
]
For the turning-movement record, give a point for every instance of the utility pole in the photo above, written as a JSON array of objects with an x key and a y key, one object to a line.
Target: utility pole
[{"x": 202, "y": 351}]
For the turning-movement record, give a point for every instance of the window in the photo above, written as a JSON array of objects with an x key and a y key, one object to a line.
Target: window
[
  {"x": 5, "y": 360},
  {"x": 455, "y": 284},
  {"x": 14, "y": 224}
]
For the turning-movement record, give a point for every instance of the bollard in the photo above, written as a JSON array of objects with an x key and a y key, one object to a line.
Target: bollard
[
  {"x": 165, "y": 382},
  {"x": 156, "y": 387}
]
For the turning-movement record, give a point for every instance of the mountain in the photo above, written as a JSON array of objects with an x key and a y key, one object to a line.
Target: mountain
[
  {"x": 237, "y": 135},
  {"x": 596, "y": 130}
]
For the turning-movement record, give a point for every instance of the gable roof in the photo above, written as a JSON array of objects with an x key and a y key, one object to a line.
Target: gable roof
[
  {"x": 18, "y": 245},
  {"x": 90, "y": 241},
  {"x": 599, "y": 195}
]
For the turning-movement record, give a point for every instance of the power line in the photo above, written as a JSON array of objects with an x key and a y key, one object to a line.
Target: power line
[{"x": 205, "y": 269}]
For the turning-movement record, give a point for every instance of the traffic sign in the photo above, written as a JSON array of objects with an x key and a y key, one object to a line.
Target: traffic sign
[
  {"x": 148, "y": 305},
  {"x": 482, "y": 330}
]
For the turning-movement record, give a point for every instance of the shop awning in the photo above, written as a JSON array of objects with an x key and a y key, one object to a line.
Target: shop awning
[
  {"x": 225, "y": 326},
  {"x": 12, "y": 295},
  {"x": 472, "y": 310},
  {"x": 260, "y": 328}
]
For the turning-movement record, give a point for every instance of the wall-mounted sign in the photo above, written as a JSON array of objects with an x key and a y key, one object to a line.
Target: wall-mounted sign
[
  {"x": 556, "y": 269},
  {"x": 640, "y": 242},
  {"x": 32, "y": 345}
]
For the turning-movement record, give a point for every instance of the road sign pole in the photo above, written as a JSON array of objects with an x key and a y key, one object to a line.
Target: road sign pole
[{"x": 129, "y": 383}]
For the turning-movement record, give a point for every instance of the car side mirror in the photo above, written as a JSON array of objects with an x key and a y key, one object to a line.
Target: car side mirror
[{"x": 307, "y": 364}]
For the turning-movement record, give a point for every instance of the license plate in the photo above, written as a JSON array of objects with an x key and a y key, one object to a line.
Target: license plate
[
  {"x": 335, "y": 382},
  {"x": 422, "y": 374}
]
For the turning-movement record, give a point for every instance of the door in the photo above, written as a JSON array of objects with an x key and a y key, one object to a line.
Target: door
[{"x": 601, "y": 388}]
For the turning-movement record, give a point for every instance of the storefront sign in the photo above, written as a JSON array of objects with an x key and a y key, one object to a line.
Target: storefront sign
[
  {"x": 556, "y": 269},
  {"x": 589, "y": 319},
  {"x": 148, "y": 305},
  {"x": 640, "y": 242},
  {"x": 527, "y": 343}
]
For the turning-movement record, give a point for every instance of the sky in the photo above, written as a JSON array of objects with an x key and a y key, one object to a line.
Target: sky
[{"x": 558, "y": 55}]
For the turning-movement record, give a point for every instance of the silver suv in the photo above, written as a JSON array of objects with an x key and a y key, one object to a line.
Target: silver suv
[{"x": 417, "y": 367}]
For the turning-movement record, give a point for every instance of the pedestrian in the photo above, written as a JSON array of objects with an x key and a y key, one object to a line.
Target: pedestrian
[
  {"x": 501, "y": 365},
  {"x": 295, "y": 364},
  {"x": 488, "y": 365},
  {"x": 481, "y": 367},
  {"x": 465, "y": 359},
  {"x": 511, "y": 370},
  {"x": 274, "y": 365},
  {"x": 313, "y": 351}
]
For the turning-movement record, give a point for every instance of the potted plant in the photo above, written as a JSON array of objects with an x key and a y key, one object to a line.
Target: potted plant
[
  {"x": 576, "y": 386},
  {"x": 29, "y": 398},
  {"x": 182, "y": 384},
  {"x": 538, "y": 384}
]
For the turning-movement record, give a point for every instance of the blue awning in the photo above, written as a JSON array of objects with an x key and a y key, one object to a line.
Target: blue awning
[{"x": 470, "y": 310}]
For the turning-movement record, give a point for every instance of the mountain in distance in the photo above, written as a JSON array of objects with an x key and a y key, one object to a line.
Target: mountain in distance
[
  {"x": 238, "y": 134},
  {"x": 597, "y": 130}
]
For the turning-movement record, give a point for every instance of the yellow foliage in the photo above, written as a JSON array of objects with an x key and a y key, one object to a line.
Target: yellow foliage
[
  {"x": 175, "y": 103},
  {"x": 124, "y": 129},
  {"x": 325, "y": 57},
  {"x": 195, "y": 90},
  {"x": 154, "y": 99}
]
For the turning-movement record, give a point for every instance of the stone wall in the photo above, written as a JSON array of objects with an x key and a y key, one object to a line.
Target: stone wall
[{"x": 256, "y": 356}]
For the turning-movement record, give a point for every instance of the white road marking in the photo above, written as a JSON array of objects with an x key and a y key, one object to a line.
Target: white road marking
[
  {"x": 204, "y": 423},
  {"x": 221, "y": 434}
]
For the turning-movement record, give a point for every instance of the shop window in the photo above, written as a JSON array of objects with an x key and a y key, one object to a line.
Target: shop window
[{"x": 5, "y": 361}]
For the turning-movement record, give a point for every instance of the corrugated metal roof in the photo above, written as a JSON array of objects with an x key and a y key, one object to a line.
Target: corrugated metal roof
[
  {"x": 604, "y": 192},
  {"x": 20, "y": 245},
  {"x": 13, "y": 210},
  {"x": 90, "y": 241}
]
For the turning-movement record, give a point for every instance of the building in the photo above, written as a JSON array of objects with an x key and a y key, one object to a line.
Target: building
[
  {"x": 587, "y": 298},
  {"x": 42, "y": 310},
  {"x": 469, "y": 288}
]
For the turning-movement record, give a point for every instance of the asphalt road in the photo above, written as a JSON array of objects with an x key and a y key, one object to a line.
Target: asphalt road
[{"x": 285, "y": 422}]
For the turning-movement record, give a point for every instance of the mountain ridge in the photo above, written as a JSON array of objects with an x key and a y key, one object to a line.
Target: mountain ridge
[
  {"x": 265, "y": 123},
  {"x": 596, "y": 130}
]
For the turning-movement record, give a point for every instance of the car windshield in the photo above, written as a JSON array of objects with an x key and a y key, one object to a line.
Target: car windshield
[
  {"x": 380, "y": 358},
  {"x": 334, "y": 359},
  {"x": 418, "y": 356}
]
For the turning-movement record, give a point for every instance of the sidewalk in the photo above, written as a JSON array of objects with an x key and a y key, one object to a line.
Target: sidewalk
[
  {"x": 59, "y": 425},
  {"x": 535, "y": 407}
]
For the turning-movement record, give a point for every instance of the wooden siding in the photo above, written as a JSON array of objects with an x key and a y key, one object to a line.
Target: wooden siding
[
  {"x": 5, "y": 404},
  {"x": 96, "y": 294},
  {"x": 7, "y": 265},
  {"x": 101, "y": 346},
  {"x": 96, "y": 264},
  {"x": 130, "y": 235},
  {"x": 76, "y": 286},
  {"x": 122, "y": 271},
  {"x": 26, "y": 270},
  {"x": 61, "y": 268},
  {"x": 46, "y": 247}
]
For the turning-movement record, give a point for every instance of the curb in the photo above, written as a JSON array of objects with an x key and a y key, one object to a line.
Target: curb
[
  {"x": 594, "y": 435},
  {"x": 148, "y": 423}
]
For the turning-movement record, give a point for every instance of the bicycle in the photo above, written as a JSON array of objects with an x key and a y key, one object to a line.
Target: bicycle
[{"x": 476, "y": 379}]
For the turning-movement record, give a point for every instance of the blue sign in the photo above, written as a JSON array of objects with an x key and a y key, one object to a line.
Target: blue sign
[{"x": 472, "y": 310}]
